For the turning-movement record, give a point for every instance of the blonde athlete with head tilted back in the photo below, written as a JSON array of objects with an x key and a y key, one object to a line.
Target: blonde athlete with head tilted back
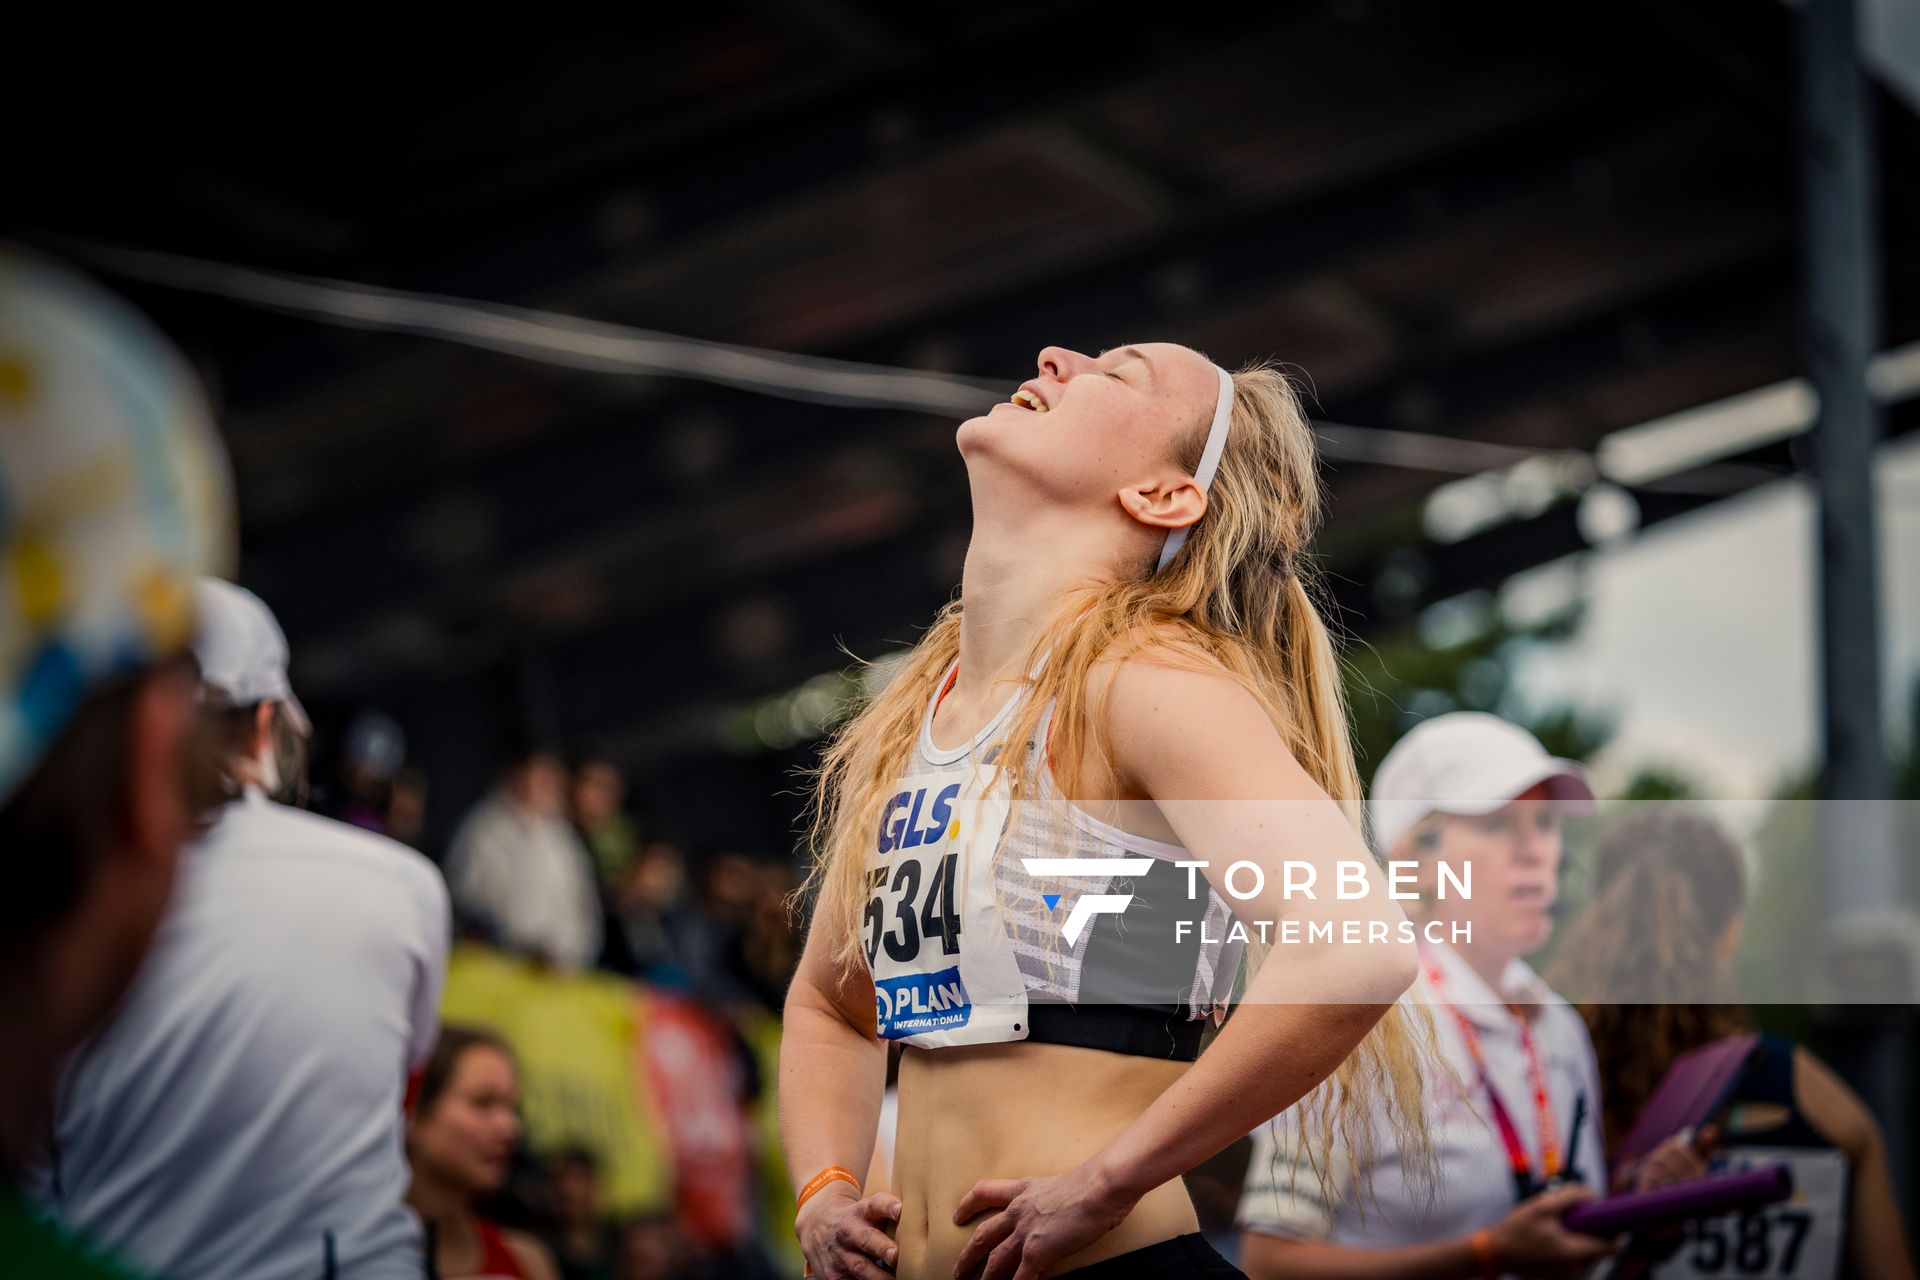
[{"x": 1010, "y": 840}]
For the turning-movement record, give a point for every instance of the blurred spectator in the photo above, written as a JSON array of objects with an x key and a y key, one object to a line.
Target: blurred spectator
[
  {"x": 113, "y": 498},
  {"x": 1665, "y": 918},
  {"x": 646, "y": 906},
  {"x": 598, "y": 796},
  {"x": 727, "y": 886},
  {"x": 584, "y": 1243},
  {"x": 770, "y": 943},
  {"x": 241, "y": 1114},
  {"x": 709, "y": 935},
  {"x": 370, "y": 754},
  {"x": 460, "y": 1141},
  {"x": 650, "y": 1249},
  {"x": 738, "y": 939},
  {"x": 520, "y": 874},
  {"x": 375, "y": 789},
  {"x": 407, "y": 805}
]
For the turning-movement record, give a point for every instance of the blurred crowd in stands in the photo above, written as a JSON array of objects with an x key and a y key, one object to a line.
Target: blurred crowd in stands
[
  {"x": 552, "y": 869},
  {"x": 552, "y": 865}
]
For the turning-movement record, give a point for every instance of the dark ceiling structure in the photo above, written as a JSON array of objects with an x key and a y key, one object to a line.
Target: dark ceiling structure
[{"x": 1513, "y": 224}]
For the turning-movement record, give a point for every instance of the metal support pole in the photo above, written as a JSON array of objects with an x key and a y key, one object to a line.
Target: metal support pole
[{"x": 1840, "y": 321}]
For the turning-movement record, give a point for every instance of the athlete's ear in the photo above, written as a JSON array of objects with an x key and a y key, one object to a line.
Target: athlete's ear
[{"x": 1171, "y": 501}]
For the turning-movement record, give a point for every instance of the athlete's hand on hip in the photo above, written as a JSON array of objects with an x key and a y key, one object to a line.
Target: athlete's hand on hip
[
  {"x": 1040, "y": 1221},
  {"x": 843, "y": 1234},
  {"x": 1531, "y": 1241}
]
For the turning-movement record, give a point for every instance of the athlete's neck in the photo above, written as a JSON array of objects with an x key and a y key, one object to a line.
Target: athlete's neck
[{"x": 1012, "y": 586}]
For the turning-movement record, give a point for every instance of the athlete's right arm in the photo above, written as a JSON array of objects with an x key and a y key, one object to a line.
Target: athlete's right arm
[{"x": 833, "y": 1074}]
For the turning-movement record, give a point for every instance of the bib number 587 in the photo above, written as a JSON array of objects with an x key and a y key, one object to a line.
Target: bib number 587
[
  {"x": 911, "y": 920},
  {"x": 1747, "y": 1244}
]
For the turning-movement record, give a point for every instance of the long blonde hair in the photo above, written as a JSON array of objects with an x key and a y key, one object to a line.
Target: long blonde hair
[{"x": 1238, "y": 598}]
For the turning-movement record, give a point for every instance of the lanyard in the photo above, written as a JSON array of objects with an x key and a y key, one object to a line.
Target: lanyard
[{"x": 1525, "y": 1183}]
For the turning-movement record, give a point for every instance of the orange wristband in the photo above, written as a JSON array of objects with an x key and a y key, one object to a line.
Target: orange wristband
[
  {"x": 1481, "y": 1242},
  {"x": 832, "y": 1173}
]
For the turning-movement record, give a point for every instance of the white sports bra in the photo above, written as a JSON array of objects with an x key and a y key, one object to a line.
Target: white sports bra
[{"x": 984, "y": 926}]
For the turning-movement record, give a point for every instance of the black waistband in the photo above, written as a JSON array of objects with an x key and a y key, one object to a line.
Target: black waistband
[
  {"x": 1117, "y": 1028},
  {"x": 1188, "y": 1255}
]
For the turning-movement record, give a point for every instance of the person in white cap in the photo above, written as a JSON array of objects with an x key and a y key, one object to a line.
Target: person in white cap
[
  {"x": 114, "y": 499},
  {"x": 1515, "y": 1119},
  {"x": 243, "y": 667},
  {"x": 242, "y": 1113}
]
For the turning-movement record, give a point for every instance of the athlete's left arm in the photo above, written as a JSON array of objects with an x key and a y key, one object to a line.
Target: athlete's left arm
[{"x": 1200, "y": 746}]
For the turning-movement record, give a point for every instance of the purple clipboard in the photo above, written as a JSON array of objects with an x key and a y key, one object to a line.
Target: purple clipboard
[
  {"x": 1699, "y": 1198},
  {"x": 1693, "y": 1089}
]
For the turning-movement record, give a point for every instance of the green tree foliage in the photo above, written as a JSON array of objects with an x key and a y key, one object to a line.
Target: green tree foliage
[{"x": 1461, "y": 655}]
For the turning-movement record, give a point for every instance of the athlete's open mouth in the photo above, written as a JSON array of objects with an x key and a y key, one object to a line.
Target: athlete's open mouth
[{"x": 1027, "y": 398}]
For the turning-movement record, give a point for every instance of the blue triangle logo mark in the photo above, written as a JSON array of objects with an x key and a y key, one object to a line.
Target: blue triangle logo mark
[{"x": 1051, "y": 899}]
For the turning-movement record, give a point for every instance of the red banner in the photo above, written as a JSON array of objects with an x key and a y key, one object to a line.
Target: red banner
[{"x": 694, "y": 1075}]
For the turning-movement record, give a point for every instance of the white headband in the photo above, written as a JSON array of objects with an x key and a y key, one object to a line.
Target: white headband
[{"x": 1209, "y": 460}]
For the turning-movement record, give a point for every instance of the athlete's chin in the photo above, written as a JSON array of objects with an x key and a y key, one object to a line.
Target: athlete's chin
[
  {"x": 970, "y": 434},
  {"x": 1004, "y": 421},
  {"x": 988, "y": 447}
]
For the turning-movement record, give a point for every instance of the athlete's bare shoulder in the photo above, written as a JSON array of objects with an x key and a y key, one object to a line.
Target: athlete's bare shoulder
[
  {"x": 1165, "y": 661},
  {"x": 1183, "y": 725}
]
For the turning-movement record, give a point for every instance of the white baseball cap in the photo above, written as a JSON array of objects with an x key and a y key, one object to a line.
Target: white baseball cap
[
  {"x": 1468, "y": 762},
  {"x": 242, "y": 651}
]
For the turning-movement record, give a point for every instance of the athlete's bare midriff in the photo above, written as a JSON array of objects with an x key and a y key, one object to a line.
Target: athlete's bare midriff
[{"x": 1013, "y": 1111}]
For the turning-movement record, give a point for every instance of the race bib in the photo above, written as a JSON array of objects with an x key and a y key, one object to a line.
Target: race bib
[
  {"x": 1803, "y": 1237},
  {"x": 936, "y": 940}
]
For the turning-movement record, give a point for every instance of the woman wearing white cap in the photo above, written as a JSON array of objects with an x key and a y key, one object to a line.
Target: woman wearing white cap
[
  {"x": 1516, "y": 1127},
  {"x": 1004, "y": 842},
  {"x": 241, "y": 1115}
]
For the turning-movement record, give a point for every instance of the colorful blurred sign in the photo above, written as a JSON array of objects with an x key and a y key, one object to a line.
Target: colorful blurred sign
[{"x": 692, "y": 1068}]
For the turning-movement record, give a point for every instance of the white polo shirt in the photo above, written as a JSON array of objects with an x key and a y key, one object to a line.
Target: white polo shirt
[
  {"x": 530, "y": 879},
  {"x": 241, "y": 1115},
  {"x": 1282, "y": 1195}
]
